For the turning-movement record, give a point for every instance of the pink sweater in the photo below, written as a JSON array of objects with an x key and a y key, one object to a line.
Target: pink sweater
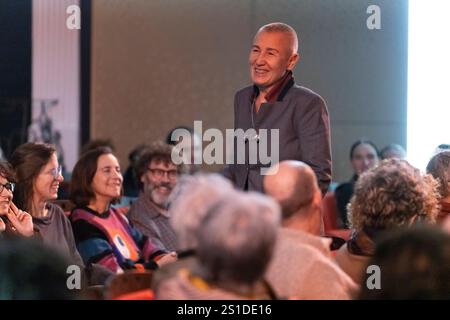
[{"x": 302, "y": 271}]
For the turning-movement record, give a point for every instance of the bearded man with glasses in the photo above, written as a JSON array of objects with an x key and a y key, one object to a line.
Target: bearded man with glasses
[{"x": 157, "y": 176}]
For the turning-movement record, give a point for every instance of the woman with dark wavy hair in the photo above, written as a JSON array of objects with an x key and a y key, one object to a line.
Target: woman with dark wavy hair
[
  {"x": 103, "y": 234},
  {"x": 391, "y": 195},
  {"x": 38, "y": 179}
]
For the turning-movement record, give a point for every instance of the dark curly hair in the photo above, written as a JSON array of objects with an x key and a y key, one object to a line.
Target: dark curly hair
[
  {"x": 391, "y": 194},
  {"x": 158, "y": 151}
]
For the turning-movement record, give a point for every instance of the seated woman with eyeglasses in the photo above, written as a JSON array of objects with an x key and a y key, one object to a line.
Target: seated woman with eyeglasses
[
  {"x": 38, "y": 179},
  {"x": 12, "y": 220},
  {"x": 103, "y": 235}
]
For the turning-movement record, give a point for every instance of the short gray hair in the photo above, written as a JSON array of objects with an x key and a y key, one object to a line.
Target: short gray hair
[
  {"x": 236, "y": 238},
  {"x": 189, "y": 202},
  {"x": 282, "y": 28}
]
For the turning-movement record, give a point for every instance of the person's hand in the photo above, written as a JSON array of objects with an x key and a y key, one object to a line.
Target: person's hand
[
  {"x": 21, "y": 221},
  {"x": 167, "y": 258},
  {"x": 2, "y": 226}
]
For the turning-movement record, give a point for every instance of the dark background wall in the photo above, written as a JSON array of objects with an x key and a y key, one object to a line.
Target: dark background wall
[
  {"x": 15, "y": 72},
  {"x": 161, "y": 63}
]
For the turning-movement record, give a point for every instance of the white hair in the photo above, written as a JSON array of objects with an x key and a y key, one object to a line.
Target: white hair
[
  {"x": 237, "y": 236},
  {"x": 283, "y": 28},
  {"x": 189, "y": 202}
]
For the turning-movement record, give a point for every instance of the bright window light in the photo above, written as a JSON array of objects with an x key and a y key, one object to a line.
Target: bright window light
[{"x": 428, "y": 79}]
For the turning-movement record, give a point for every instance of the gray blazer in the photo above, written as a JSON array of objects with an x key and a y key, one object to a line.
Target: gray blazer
[{"x": 302, "y": 118}]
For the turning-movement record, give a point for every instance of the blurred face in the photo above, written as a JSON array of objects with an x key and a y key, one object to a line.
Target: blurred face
[
  {"x": 46, "y": 184},
  {"x": 394, "y": 154},
  {"x": 364, "y": 158},
  {"x": 270, "y": 57},
  {"x": 159, "y": 181},
  {"x": 6, "y": 195},
  {"x": 107, "y": 181}
]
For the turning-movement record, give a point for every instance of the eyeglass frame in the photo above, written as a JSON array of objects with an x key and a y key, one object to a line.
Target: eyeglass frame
[
  {"x": 11, "y": 187},
  {"x": 55, "y": 172},
  {"x": 162, "y": 173}
]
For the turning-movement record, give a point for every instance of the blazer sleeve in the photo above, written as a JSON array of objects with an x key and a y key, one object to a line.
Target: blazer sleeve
[
  {"x": 229, "y": 171},
  {"x": 313, "y": 131}
]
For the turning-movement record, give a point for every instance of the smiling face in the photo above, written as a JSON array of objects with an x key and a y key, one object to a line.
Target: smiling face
[
  {"x": 107, "y": 181},
  {"x": 5, "y": 197},
  {"x": 272, "y": 54},
  {"x": 46, "y": 184},
  {"x": 159, "y": 181}
]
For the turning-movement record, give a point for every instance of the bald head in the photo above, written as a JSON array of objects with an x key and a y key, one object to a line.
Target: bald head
[
  {"x": 291, "y": 35},
  {"x": 292, "y": 184}
]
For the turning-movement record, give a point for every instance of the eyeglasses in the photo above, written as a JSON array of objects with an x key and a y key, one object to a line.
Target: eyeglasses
[
  {"x": 158, "y": 173},
  {"x": 55, "y": 172},
  {"x": 8, "y": 186}
]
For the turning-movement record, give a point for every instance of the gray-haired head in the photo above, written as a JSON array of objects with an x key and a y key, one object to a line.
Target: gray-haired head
[
  {"x": 236, "y": 238},
  {"x": 282, "y": 28},
  {"x": 440, "y": 148},
  {"x": 393, "y": 151},
  {"x": 189, "y": 202}
]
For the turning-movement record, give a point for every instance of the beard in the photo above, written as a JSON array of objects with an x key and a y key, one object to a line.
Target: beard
[{"x": 157, "y": 196}]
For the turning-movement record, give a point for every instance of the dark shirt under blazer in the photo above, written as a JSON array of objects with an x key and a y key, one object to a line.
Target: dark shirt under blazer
[{"x": 302, "y": 118}]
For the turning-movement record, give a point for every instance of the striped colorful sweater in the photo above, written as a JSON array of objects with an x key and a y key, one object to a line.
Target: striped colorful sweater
[{"x": 110, "y": 240}]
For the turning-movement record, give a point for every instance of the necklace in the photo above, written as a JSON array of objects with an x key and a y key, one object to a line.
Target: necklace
[{"x": 256, "y": 137}]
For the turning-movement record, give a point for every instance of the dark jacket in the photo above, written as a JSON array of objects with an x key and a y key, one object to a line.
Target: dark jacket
[
  {"x": 302, "y": 118},
  {"x": 343, "y": 194}
]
